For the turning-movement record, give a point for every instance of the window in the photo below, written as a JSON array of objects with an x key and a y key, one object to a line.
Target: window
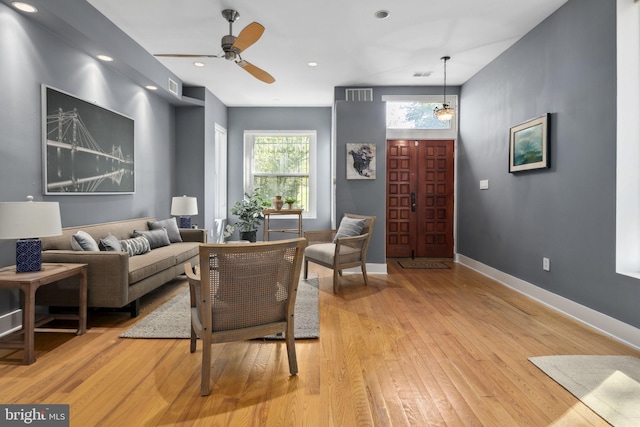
[
  {"x": 282, "y": 163},
  {"x": 411, "y": 117},
  {"x": 414, "y": 115}
]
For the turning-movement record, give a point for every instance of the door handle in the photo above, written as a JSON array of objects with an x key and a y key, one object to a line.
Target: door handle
[{"x": 413, "y": 202}]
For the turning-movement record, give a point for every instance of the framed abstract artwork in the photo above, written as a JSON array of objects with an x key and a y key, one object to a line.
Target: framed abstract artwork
[
  {"x": 361, "y": 161},
  {"x": 529, "y": 145},
  {"x": 86, "y": 149}
]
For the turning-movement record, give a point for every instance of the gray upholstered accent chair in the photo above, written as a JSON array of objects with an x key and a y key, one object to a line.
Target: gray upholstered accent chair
[
  {"x": 243, "y": 292},
  {"x": 342, "y": 248}
]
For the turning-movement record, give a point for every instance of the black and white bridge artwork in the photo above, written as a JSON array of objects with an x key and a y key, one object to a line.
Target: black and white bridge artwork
[
  {"x": 76, "y": 160},
  {"x": 361, "y": 161}
]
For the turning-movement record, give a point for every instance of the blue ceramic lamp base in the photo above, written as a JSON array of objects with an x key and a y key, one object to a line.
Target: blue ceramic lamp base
[
  {"x": 28, "y": 255},
  {"x": 185, "y": 222}
]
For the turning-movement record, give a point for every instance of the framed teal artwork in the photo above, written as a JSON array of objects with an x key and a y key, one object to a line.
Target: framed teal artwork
[{"x": 529, "y": 145}]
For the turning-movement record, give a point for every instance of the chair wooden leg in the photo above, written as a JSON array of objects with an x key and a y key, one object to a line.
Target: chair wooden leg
[
  {"x": 336, "y": 280},
  {"x": 291, "y": 350},
  {"x": 194, "y": 338},
  {"x": 306, "y": 267},
  {"x": 205, "y": 386},
  {"x": 364, "y": 274}
]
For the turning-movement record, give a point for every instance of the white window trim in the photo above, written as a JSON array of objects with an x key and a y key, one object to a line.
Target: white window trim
[
  {"x": 450, "y": 133},
  {"x": 249, "y": 136},
  {"x": 628, "y": 136}
]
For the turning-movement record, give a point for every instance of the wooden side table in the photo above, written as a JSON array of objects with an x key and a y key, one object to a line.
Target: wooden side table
[
  {"x": 268, "y": 213},
  {"x": 29, "y": 283}
]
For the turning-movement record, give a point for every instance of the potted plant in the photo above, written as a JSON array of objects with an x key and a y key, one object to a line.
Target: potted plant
[
  {"x": 290, "y": 201},
  {"x": 249, "y": 212}
]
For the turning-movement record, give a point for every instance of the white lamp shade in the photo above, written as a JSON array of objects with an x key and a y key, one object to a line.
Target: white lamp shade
[
  {"x": 25, "y": 220},
  {"x": 184, "y": 206}
]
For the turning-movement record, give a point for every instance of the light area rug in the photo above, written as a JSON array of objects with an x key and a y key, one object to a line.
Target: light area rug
[
  {"x": 172, "y": 319},
  {"x": 609, "y": 385}
]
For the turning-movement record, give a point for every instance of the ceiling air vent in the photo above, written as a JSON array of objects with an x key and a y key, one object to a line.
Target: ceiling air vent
[
  {"x": 173, "y": 87},
  {"x": 359, "y": 94}
]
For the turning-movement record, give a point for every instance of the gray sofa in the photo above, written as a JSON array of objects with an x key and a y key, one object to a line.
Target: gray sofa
[{"x": 115, "y": 279}]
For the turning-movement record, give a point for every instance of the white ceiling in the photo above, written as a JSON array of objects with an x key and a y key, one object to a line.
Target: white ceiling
[{"x": 351, "y": 46}]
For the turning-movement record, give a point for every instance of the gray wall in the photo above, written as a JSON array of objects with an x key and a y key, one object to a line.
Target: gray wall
[
  {"x": 32, "y": 55},
  {"x": 358, "y": 122},
  {"x": 283, "y": 118},
  {"x": 194, "y": 151},
  {"x": 567, "y": 67}
]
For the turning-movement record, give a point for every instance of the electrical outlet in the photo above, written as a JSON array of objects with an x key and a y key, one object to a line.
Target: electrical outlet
[
  {"x": 484, "y": 184},
  {"x": 546, "y": 264}
]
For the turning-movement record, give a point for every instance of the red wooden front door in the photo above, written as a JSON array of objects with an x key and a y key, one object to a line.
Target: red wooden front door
[{"x": 420, "y": 198}]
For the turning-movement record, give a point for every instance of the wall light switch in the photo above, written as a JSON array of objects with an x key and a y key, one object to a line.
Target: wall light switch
[
  {"x": 484, "y": 184},
  {"x": 546, "y": 264}
]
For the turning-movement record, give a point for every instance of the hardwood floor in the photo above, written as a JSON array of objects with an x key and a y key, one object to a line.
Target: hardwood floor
[{"x": 415, "y": 347}]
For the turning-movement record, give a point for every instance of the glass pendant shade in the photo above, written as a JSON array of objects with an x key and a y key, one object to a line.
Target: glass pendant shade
[{"x": 444, "y": 113}]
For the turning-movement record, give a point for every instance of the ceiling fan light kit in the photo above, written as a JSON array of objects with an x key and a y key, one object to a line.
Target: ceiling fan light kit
[
  {"x": 232, "y": 46},
  {"x": 444, "y": 113}
]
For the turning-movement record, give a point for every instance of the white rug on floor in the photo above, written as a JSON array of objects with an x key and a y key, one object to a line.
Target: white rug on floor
[
  {"x": 172, "y": 319},
  {"x": 609, "y": 385}
]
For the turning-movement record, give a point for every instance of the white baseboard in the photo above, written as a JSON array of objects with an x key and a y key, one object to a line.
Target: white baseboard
[
  {"x": 614, "y": 328},
  {"x": 10, "y": 322},
  {"x": 371, "y": 269}
]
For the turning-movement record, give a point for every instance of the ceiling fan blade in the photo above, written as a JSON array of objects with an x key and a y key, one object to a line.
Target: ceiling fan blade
[
  {"x": 248, "y": 36},
  {"x": 256, "y": 72},
  {"x": 184, "y": 55}
]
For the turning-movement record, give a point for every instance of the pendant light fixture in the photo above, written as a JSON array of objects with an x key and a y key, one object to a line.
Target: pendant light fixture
[{"x": 444, "y": 113}]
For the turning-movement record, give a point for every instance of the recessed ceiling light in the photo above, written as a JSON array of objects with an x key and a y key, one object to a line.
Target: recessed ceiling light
[
  {"x": 25, "y": 7},
  {"x": 381, "y": 14},
  {"x": 104, "y": 58},
  {"x": 312, "y": 64},
  {"x": 422, "y": 73},
  {"x": 199, "y": 64},
  {"x": 151, "y": 87}
]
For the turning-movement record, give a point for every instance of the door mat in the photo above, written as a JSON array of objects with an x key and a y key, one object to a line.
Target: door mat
[{"x": 425, "y": 264}]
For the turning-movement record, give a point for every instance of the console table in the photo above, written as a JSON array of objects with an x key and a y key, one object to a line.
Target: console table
[
  {"x": 29, "y": 283},
  {"x": 268, "y": 213}
]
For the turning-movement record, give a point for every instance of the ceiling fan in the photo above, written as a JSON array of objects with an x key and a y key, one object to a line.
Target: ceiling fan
[{"x": 232, "y": 46}]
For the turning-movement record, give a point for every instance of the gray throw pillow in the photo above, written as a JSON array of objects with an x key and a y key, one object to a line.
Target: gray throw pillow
[
  {"x": 168, "y": 224},
  {"x": 82, "y": 241},
  {"x": 135, "y": 246},
  {"x": 349, "y": 227},
  {"x": 156, "y": 238},
  {"x": 110, "y": 244}
]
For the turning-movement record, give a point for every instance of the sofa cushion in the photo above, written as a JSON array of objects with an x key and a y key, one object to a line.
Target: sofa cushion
[
  {"x": 168, "y": 224},
  {"x": 143, "y": 266},
  {"x": 110, "y": 244},
  {"x": 349, "y": 227},
  {"x": 82, "y": 241},
  {"x": 156, "y": 238},
  {"x": 135, "y": 246},
  {"x": 186, "y": 251}
]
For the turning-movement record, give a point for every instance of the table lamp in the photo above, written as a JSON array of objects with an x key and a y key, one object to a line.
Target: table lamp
[
  {"x": 27, "y": 222},
  {"x": 184, "y": 207}
]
